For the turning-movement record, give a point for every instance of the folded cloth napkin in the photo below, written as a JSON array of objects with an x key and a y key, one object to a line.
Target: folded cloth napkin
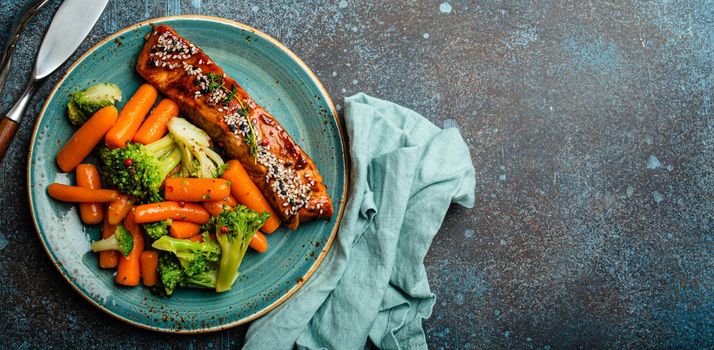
[{"x": 405, "y": 173}]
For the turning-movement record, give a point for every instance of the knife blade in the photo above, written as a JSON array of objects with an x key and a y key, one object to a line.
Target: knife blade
[{"x": 72, "y": 22}]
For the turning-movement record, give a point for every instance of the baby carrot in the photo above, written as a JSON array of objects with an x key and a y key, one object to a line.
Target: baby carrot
[
  {"x": 149, "y": 262},
  {"x": 129, "y": 268},
  {"x": 88, "y": 177},
  {"x": 259, "y": 242},
  {"x": 67, "y": 193},
  {"x": 230, "y": 200},
  {"x": 118, "y": 209},
  {"x": 108, "y": 259},
  {"x": 196, "y": 190},
  {"x": 171, "y": 210},
  {"x": 183, "y": 229},
  {"x": 154, "y": 127},
  {"x": 131, "y": 116},
  {"x": 85, "y": 138},
  {"x": 248, "y": 194},
  {"x": 196, "y": 238},
  {"x": 216, "y": 207}
]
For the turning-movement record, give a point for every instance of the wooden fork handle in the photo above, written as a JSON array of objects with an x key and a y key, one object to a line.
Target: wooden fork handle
[{"x": 7, "y": 133}]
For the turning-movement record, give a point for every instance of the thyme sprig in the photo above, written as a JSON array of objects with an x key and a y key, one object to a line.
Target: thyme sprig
[{"x": 215, "y": 82}]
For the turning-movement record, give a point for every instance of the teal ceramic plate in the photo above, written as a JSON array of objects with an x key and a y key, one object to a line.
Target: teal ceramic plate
[{"x": 279, "y": 81}]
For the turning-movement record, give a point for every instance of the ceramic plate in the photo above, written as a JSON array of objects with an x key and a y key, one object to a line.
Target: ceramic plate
[{"x": 280, "y": 82}]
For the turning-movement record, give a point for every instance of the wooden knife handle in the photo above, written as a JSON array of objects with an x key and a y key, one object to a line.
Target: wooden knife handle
[{"x": 7, "y": 132}]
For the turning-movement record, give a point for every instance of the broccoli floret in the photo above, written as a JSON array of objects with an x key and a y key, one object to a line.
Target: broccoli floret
[
  {"x": 206, "y": 279},
  {"x": 234, "y": 230},
  {"x": 121, "y": 240},
  {"x": 85, "y": 102},
  {"x": 139, "y": 170},
  {"x": 194, "y": 257},
  {"x": 171, "y": 275},
  {"x": 197, "y": 158},
  {"x": 156, "y": 230}
]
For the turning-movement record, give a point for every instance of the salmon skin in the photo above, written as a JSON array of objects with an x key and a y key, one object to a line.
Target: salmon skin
[{"x": 216, "y": 103}]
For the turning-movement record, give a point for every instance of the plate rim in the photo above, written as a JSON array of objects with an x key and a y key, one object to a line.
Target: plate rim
[{"x": 344, "y": 154}]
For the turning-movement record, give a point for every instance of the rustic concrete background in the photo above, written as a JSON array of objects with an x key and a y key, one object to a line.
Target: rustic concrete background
[{"x": 591, "y": 129}]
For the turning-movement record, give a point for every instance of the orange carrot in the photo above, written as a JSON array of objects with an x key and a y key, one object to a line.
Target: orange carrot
[
  {"x": 88, "y": 177},
  {"x": 149, "y": 262},
  {"x": 183, "y": 229},
  {"x": 131, "y": 116},
  {"x": 108, "y": 259},
  {"x": 196, "y": 238},
  {"x": 230, "y": 200},
  {"x": 171, "y": 210},
  {"x": 129, "y": 268},
  {"x": 259, "y": 242},
  {"x": 248, "y": 194},
  {"x": 67, "y": 193},
  {"x": 196, "y": 190},
  {"x": 86, "y": 138},
  {"x": 118, "y": 209},
  {"x": 215, "y": 208},
  {"x": 154, "y": 127}
]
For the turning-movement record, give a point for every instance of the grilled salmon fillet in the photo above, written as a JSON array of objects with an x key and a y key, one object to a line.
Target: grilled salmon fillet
[{"x": 217, "y": 104}]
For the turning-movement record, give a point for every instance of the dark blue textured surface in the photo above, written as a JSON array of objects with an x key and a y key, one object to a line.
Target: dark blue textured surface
[{"x": 591, "y": 129}]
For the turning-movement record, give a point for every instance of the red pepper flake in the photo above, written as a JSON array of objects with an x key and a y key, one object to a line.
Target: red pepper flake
[
  {"x": 224, "y": 229},
  {"x": 265, "y": 142},
  {"x": 169, "y": 188},
  {"x": 182, "y": 204},
  {"x": 128, "y": 162}
]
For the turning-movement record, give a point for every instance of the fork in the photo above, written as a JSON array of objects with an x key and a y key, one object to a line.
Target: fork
[{"x": 17, "y": 28}]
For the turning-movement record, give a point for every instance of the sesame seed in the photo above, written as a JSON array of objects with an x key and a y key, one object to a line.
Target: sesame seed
[{"x": 169, "y": 46}]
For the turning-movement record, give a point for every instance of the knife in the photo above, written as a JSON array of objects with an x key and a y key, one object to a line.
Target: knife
[{"x": 70, "y": 25}]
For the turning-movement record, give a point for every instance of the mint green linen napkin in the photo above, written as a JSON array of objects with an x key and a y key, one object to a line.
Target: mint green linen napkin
[{"x": 405, "y": 173}]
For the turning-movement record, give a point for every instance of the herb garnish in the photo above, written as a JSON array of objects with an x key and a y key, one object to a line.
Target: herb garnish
[
  {"x": 250, "y": 139},
  {"x": 216, "y": 82}
]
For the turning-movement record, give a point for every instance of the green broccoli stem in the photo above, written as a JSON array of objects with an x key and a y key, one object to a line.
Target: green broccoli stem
[
  {"x": 169, "y": 162},
  {"x": 199, "y": 159},
  {"x": 233, "y": 248},
  {"x": 174, "y": 245},
  {"x": 121, "y": 240},
  {"x": 109, "y": 243},
  {"x": 161, "y": 147},
  {"x": 166, "y": 152}
]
